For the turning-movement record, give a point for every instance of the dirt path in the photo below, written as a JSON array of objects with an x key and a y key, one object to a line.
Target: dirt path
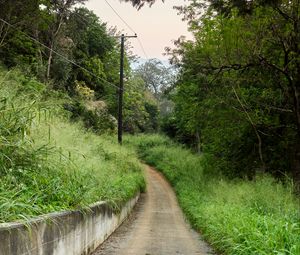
[{"x": 156, "y": 227}]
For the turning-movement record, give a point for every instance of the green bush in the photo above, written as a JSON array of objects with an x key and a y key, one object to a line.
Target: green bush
[{"x": 99, "y": 121}]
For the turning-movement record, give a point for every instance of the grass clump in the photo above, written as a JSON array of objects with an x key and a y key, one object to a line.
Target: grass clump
[
  {"x": 237, "y": 217},
  {"x": 49, "y": 164}
]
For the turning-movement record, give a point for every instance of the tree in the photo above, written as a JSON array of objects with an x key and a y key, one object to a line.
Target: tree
[
  {"x": 239, "y": 85},
  {"x": 58, "y": 11},
  {"x": 135, "y": 114},
  {"x": 244, "y": 6},
  {"x": 92, "y": 46},
  {"x": 15, "y": 47},
  {"x": 140, "y": 3},
  {"x": 156, "y": 76}
]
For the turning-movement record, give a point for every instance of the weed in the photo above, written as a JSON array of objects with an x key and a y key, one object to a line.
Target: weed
[
  {"x": 48, "y": 164},
  {"x": 237, "y": 217}
]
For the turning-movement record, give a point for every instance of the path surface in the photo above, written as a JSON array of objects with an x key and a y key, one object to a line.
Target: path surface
[{"x": 156, "y": 227}]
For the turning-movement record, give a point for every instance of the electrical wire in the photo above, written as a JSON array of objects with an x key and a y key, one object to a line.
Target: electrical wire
[
  {"x": 60, "y": 55},
  {"x": 130, "y": 28},
  {"x": 142, "y": 47}
]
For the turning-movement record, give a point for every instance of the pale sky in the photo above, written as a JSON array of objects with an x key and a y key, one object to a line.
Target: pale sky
[{"x": 156, "y": 27}]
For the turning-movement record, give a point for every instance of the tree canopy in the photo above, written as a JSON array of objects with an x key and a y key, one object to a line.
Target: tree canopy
[
  {"x": 71, "y": 49},
  {"x": 141, "y": 3},
  {"x": 237, "y": 96}
]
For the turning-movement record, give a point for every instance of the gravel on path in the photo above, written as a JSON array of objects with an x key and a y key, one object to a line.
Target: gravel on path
[{"x": 156, "y": 226}]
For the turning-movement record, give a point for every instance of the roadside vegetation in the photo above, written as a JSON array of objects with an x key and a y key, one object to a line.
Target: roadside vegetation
[
  {"x": 48, "y": 163},
  {"x": 237, "y": 216},
  {"x": 57, "y": 118},
  {"x": 231, "y": 99}
]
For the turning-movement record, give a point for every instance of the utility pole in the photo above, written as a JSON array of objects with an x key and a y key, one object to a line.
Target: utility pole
[{"x": 121, "y": 88}]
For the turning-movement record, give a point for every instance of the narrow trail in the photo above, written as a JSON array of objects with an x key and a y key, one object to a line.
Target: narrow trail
[{"x": 156, "y": 227}]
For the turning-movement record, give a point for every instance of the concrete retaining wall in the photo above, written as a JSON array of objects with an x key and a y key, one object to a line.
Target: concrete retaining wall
[{"x": 66, "y": 233}]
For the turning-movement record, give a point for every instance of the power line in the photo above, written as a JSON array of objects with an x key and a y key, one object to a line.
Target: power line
[
  {"x": 143, "y": 49},
  {"x": 84, "y": 20},
  {"x": 58, "y": 54},
  {"x": 130, "y": 28}
]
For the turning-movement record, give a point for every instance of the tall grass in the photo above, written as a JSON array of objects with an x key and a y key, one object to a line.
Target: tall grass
[
  {"x": 237, "y": 217},
  {"x": 49, "y": 164}
]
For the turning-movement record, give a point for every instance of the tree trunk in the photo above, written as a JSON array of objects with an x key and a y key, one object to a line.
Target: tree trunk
[
  {"x": 259, "y": 140},
  {"x": 296, "y": 165},
  {"x": 49, "y": 62},
  {"x": 3, "y": 33},
  {"x": 296, "y": 161},
  {"x": 54, "y": 36}
]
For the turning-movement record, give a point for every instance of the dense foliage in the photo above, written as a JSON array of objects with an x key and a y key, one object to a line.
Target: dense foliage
[
  {"x": 237, "y": 217},
  {"x": 67, "y": 46},
  {"x": 237, "y": 96}
]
